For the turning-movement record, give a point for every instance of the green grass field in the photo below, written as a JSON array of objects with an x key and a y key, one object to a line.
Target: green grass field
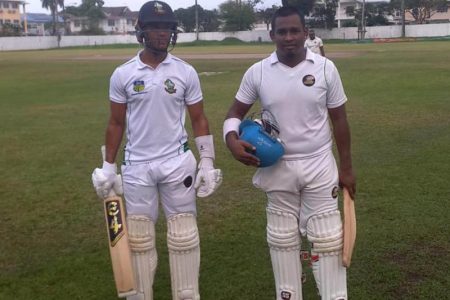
[{"x": 53, "y": 112}]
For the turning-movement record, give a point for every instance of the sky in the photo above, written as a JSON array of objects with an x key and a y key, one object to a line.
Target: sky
[{"x": 35, "y": 6}]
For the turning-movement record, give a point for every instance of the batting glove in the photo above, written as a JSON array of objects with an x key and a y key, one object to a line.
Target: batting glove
[
  {"x": 106, "y": 181},
  {"x": 208, "y": 179}
]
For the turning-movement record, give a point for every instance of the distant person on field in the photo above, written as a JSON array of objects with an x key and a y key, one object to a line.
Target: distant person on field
[{"x": 314, "y": 43}]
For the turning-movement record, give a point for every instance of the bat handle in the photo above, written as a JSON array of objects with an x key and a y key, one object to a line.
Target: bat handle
[
  {"x": 103, "y": 150},
  {"x": 347, "y": 194}
]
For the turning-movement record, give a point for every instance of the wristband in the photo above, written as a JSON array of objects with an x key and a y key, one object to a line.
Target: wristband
[
  {"x": 205, "y": 146},
  {"x": 231, "y": 124}
]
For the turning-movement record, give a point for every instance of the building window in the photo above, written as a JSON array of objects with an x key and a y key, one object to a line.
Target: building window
[
  {"x": 5, "y": 5},
  {"x": 129, "y": 22},
  {"x": 77, "y": 23},
  {"x": 16, "y": 21},
  {"x": 15, "y": 5},
  {"x": 111, "y": 23},
  {"x": 350, "y": 10}
]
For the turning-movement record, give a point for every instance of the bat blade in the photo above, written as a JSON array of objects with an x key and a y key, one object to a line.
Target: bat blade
[
  {"x": 119, "y": 247},
  {"x": 349, "y": 228}
]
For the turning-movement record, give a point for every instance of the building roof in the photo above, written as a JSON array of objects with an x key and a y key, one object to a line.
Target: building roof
[
  {"x": 39, "y": 18},
  {"x": 118, "y": 11}
]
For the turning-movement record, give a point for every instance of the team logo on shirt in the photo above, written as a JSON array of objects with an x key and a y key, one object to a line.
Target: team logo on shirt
[
  {"x": 170, "y": 86},
  {"x": 138, "y": 86},
  {"x": 334, "y": 192},
  {"x": 309, "y": 80}
]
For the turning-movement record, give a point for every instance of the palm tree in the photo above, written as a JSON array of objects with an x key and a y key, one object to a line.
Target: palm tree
[{"x": 53, "y": 6}]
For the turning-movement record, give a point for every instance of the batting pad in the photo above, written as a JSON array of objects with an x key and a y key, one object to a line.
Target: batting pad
[
  {"x": 184, "y": 256},
  {"x": 141, "y": 234},
  {"x": 284, "y": 241},
  {"x": 326, "y": 235}
]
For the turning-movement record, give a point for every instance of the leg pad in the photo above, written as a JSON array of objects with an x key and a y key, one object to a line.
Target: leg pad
[{"x": 284, "y": 241}]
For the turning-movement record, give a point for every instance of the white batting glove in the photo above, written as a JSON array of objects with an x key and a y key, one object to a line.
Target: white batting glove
[
  {"x": 106, "y": 181},
  {"x": 208, "y": 179}
]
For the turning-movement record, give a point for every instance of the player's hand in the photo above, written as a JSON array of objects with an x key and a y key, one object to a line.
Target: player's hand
[
  {"x": 242, "y": 151},
  {"x": 347, "y": 179},
  {"x": 208, "y": 179},
  {"x": 106, "y": 181}
]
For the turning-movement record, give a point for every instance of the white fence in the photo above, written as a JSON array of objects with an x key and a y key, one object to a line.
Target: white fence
[{"x": 349, "y": 33}]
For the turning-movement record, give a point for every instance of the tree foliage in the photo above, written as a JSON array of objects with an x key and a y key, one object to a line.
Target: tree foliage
[
  {"x": 305, "y": 6},
  {"x": 325, "y": 13},
  {"x": 53, "y": 5},
  {"x": 9, "y": 29},
  {"x": 208, "y": 20},
  {"x": 421, "y": 10},
  {"x": 92, "y": 11},
  {"x": 238, "y": 16},
  {"x": 265, "y": 15},
  {"x": 374, "y": 14}
]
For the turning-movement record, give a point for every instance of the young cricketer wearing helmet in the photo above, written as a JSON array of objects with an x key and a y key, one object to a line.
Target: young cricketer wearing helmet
[
  {"x": 303, "y": 91},
  {"x": 149, "y": 95}
]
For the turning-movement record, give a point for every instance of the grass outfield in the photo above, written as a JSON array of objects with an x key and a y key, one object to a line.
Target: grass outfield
[{"x": 53, "y": 112}]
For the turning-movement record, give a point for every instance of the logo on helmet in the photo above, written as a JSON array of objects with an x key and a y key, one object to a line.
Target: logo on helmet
[{"x": 159, "y": 8}]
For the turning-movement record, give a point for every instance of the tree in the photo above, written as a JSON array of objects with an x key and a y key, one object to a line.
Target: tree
[
  {"x": 208, "y": 19},
  {"x": 375, "y": 14},
  {"x": 265, "y": 15},
  {"x": 325, "y": 13},
  {"x": 305, "y": 6},
  {"x": 421, "y": 10},
  {"x": 92, "y": 11},
  {"x": 238, "y": 15},
  {"x": 53, "y": 6}
]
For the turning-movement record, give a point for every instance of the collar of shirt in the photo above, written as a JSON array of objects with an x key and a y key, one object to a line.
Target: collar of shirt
[
  {"x": 142, "y": 65},
  {"x": 309, "y": 56}
]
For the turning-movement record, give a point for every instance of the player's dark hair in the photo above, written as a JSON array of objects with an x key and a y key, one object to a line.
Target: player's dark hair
[{"x": 287, "y": 11}]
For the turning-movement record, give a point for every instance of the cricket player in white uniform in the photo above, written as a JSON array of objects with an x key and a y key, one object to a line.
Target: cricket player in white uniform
[
  {"x": 314, "y": 43},
  {"x": 149, "y": 95},
  {"x": 303, "y": 91}
]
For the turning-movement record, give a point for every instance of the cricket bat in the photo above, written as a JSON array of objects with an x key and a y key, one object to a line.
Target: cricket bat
[
  {"x": 119, "y": 247},
  {"x": 349, "y": 228}
]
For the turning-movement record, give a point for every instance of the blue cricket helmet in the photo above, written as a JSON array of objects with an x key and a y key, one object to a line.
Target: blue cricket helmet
[{"x": 262, "y": 134}]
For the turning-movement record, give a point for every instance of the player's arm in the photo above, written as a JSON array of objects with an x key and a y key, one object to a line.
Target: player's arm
[
  {"x": 106, "y": 181},
  {"x": 239, "y": 149},
  {"x": 115, "y": 130},
  {"x": 199, "y": 122},
  {"x": 208, "y": 178},
  {"x": 341, "y": 132},
  {"x": 322, "y": 50}
]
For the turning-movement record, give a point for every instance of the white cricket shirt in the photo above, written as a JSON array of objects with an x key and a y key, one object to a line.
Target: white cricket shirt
[
  {"x": 314, "y": 45},
  {"x": 156, "y": 106},
  {"x": 298, "y": 98}
]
